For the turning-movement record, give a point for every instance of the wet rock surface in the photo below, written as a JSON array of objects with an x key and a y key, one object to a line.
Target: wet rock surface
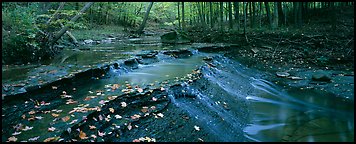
[{"x": 218, "y": 100}]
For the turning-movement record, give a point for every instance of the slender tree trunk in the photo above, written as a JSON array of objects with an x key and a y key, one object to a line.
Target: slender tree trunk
[
  {"x": 183, "y": 22},
  {"x": 221, "y": 16},
  {"x": 230, "y": 15},
  {"x": 179, "y": 24},
  {"x": 237, "y": 15},
  {"x": 245, "y": 16},
  {"x": 268, "y": 13},
  {"x": 260, "y": 15},
  {"x": 300, "y": 11},
  {"x": 65, "y": 28},
  {"x": 55, "y": 15},
  {"x": 211, "y": 15},
  {"x": 280, "y": 13},
  {"x": 285, "y": 13},
  {"x": 142, "y": 26},
  {"x": 275, "y": 18}
]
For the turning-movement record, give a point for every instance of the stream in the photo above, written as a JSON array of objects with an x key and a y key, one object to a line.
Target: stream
[{"x": 229, "y": 101}]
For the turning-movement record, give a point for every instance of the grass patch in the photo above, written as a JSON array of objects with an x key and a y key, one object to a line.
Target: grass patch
[{"x": 98, "y": 32}]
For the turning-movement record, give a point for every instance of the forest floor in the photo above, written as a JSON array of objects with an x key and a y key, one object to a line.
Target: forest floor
[{"x": 315, "y": 47}]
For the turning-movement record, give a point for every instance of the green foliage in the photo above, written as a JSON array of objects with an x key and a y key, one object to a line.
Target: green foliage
[{"x": 19, "y": 39}]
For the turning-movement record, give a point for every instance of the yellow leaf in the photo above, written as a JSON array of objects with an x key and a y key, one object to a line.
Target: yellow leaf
[
  {"x": 51, "y": 139},
  {"x": 55, "y": 115},
  {"x": 111, "y": 110},
  {"x": 82, "y": 135},
  {"x": 12, "y": 139},
  {"x": 66, "y": 118}
]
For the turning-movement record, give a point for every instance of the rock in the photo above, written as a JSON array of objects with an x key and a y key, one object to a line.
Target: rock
[
  {"x": 89, "y": 41},
  {"x": 22, "y": 90},
  {"x": 282, "y": 74},
  {"x": 295, "y": 78},
  {"x": 174, "y": 37},
  {"x": 321, "y": 76},
  {"x": 207, "y": 58},
  {"x": 255, "y": 50}
]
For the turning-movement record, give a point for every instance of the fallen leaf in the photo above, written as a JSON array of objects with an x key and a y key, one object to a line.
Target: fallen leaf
[
  {"x": 55, "y": 115},
  {"x": 101, "y": 134},
  {"x": 12, "y": 139},
  {"x": 54, "y": 87},
  {"x": 154, "y": 99},
  {"x": 196, "y": 128},
  {"x": 160, "y": 115},
  {"x": 66, "y": 118},
  {"x": 112, "y": 97},
  {"x": 71, "y": 101},
  {"x": 39, "y": 117},
  {"x": 27, "y": 128},
  {"x": 136, "y": 140},
  {"x": 140, "y": 90},
  {"x": 73, "y": 121},
  {"x": 34, "y": 138},
  {"x": 93, "y": 136},
  {"x": 101, "y": 118},
  {"x": 16, "y": 133},
  {"x": 136, "y": 116},
  {"x": 64, "y": 92},
  {"x": 31, "y": 112},
  {"x": 118, "y": 116},
  {"x": 123, "y": 104},
  {"x": 82, "y": 135},
  {"x": 111, "y": 110},
  {"x": 23, "y": 116},
  {"x": 51, "y": 129},
  {"x": 144, "y": 109},
  {"x": 102, "y": 102},
  {"x": 51, "y": 139},
  {"x": 162, "y": 89},
  {"x": 92, "y": 127},
  {"x": 129, "y": 127}
]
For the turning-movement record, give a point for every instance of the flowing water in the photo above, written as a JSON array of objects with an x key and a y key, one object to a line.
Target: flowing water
[{"x": 236, "y": 104}]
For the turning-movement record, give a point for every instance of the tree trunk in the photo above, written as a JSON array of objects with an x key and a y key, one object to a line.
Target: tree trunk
[
  {"x": 245, "y": 16},
  {"x": 211, "y": 15},
  {"x": 300, "y": 17},
  {"x": 260, "y": 15},
  {"x": 275, "y": 16},
  {"x": 183, "y": 22},
  {"x": 142, "y": 26},
  {"x": 268, "y": 13},
  {"x": 230, "y": 15},
  {"x": 280, "y": 13},
  {"x": 65, "y": 28},
  {"x": 54, "y": 17},
  {"x": 221, "y": 16},
  {"x": 237, "y": 15},
  {"x": 179, "y": 24},
  {"x": 285, "y": 13}
]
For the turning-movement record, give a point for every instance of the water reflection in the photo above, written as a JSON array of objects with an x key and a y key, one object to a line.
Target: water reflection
[{"x": 298, "y": 115}]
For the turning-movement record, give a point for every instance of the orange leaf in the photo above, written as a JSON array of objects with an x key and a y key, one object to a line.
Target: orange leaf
[
  {"x": 144, "y": 109},
  {"x": 66, "y": 118},
  {"x": 82, "y": 135}
]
